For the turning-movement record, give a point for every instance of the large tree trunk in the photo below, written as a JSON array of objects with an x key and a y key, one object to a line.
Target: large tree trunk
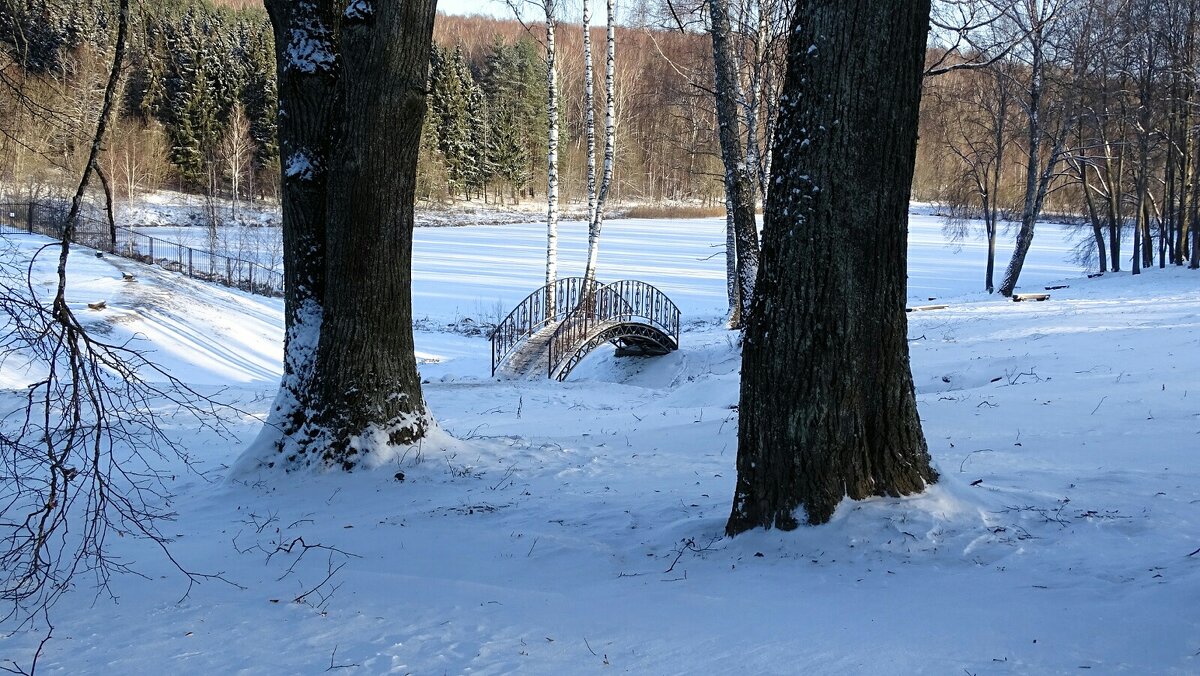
[
  {"x": 369, "y": 392},
  {"x": 827, "y": 402},
  {"x": 351, "y": 390},
  {"x": 739, "y": 179},
  {"x": 306, "y": 94}
]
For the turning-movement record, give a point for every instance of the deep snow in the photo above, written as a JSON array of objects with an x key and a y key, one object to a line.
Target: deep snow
[{"x": 553, "y": 537}]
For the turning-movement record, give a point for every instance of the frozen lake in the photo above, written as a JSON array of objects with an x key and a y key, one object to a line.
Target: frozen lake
[{"x": 483, "y": 271}]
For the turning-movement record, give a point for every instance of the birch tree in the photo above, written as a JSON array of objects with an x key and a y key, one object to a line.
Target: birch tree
[
  {"x": 596, "y": 208},
  {"x": 589, "y": 116},
  {"x": 550, "y": 12},
  {"x": 740, "y": 193},
  {"x": 551, "y": 158}
]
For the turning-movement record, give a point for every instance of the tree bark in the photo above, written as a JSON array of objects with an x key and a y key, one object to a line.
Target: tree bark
[
  {"x": 596, "y": 224},
  {"x": 551, "y": 158},
  {"x": 589, "y": 114},
  {"x": 350, "y": 390},
  {"x": 306, "y": 113},
  {"x": 368, "y": 390},
  {"x": 827, "y": 407},
  {"x": 739, "y": 178}
]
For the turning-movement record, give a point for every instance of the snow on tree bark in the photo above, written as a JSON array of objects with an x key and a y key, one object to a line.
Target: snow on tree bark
[
  {"x": 368, "y": 389},
  {"x": 305, "y": 119},
  {"x": 739, "y": 179},
  {"x": 827, "y": 406},
  {"x": 350, "y": 391}
]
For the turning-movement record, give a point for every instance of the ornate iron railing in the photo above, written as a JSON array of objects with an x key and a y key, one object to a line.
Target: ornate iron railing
[
  {"x": 534, "y": 314},
  {"x": 626, "y": 301}
]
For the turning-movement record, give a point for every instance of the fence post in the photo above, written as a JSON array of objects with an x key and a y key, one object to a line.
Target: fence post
[
  {"x": 190, "y": 262},
  {"x": 151, "y": 249},
  {"x": 29, "y": 219}
]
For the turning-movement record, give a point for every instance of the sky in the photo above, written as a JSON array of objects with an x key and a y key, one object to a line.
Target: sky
[
  {"x": 488, "y": 7},
  {"x": 499, "y": 8}
]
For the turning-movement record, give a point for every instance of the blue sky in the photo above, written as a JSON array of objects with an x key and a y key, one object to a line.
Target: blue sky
[
  {"x": 500, "y": 9},
  {"x": 489, "y": 7}
]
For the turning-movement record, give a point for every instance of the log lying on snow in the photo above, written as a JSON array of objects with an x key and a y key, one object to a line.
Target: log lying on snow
[
  {"x": 127, "y": 276},
  {"x": 1018, "y": 297},
  {"x": 1057, "y": 286},
  {"x": 98, "y": 305},
  {"x": 922, "y": 308}
]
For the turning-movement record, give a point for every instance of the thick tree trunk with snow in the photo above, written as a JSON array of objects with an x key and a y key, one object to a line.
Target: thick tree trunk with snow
[
  {"x": 739, "y": 178},
  {"x": 305, "y": 45},
  {"x": 368, "y": 389},
  {"x": 596, "y": 222},
  {"x": 350, "y": 386},
  {"x": 551, "y": 158},
  {"x": 827, "y": 402}
]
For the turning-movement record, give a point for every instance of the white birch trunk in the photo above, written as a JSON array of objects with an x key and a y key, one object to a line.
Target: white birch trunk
[
  {"x": 589, "y": 101},
  {"x": 740, "y": 185},
  {"x": 610, "y": 142},
  {"x": 731, "y": 269},
  {"x": 551, "y": 161}
]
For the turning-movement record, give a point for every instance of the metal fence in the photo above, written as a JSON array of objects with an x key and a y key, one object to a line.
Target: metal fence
[{"x": 47, "y": 219}]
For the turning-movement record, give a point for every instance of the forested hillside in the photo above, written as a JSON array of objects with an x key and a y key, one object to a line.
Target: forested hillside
[{"x": 199, "y": 106}]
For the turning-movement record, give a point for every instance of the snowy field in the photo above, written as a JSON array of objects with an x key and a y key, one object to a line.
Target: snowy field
[
  {"x": 575, "y": 528},
  {"x": 481, "y": 272}
]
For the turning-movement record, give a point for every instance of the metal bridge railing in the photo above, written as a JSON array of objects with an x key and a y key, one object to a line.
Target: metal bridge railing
[
  {"x": 547, "y": 305},
  {"x": 628, "y": 300}
]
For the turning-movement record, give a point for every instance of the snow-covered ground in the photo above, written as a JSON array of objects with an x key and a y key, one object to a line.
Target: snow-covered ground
[
  {"x": 482, "y": 272},
  {"x": 576, "y": 527}
]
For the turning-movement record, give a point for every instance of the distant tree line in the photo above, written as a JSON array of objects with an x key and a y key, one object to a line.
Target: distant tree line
[
  {"x": 198, "y": 108},
  {"x": 198, "y": 101},
  {"x": 1081, "y": 108}
]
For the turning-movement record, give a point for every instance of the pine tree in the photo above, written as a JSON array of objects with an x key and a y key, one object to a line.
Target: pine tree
[
  {"x": 260, "y": 94},
  {"x": 482, "y": 169},
  {"x": 450, "y": 83}
]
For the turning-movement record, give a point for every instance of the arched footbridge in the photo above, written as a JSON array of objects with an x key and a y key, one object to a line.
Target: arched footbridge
[{"x": 553, "y": 329}]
